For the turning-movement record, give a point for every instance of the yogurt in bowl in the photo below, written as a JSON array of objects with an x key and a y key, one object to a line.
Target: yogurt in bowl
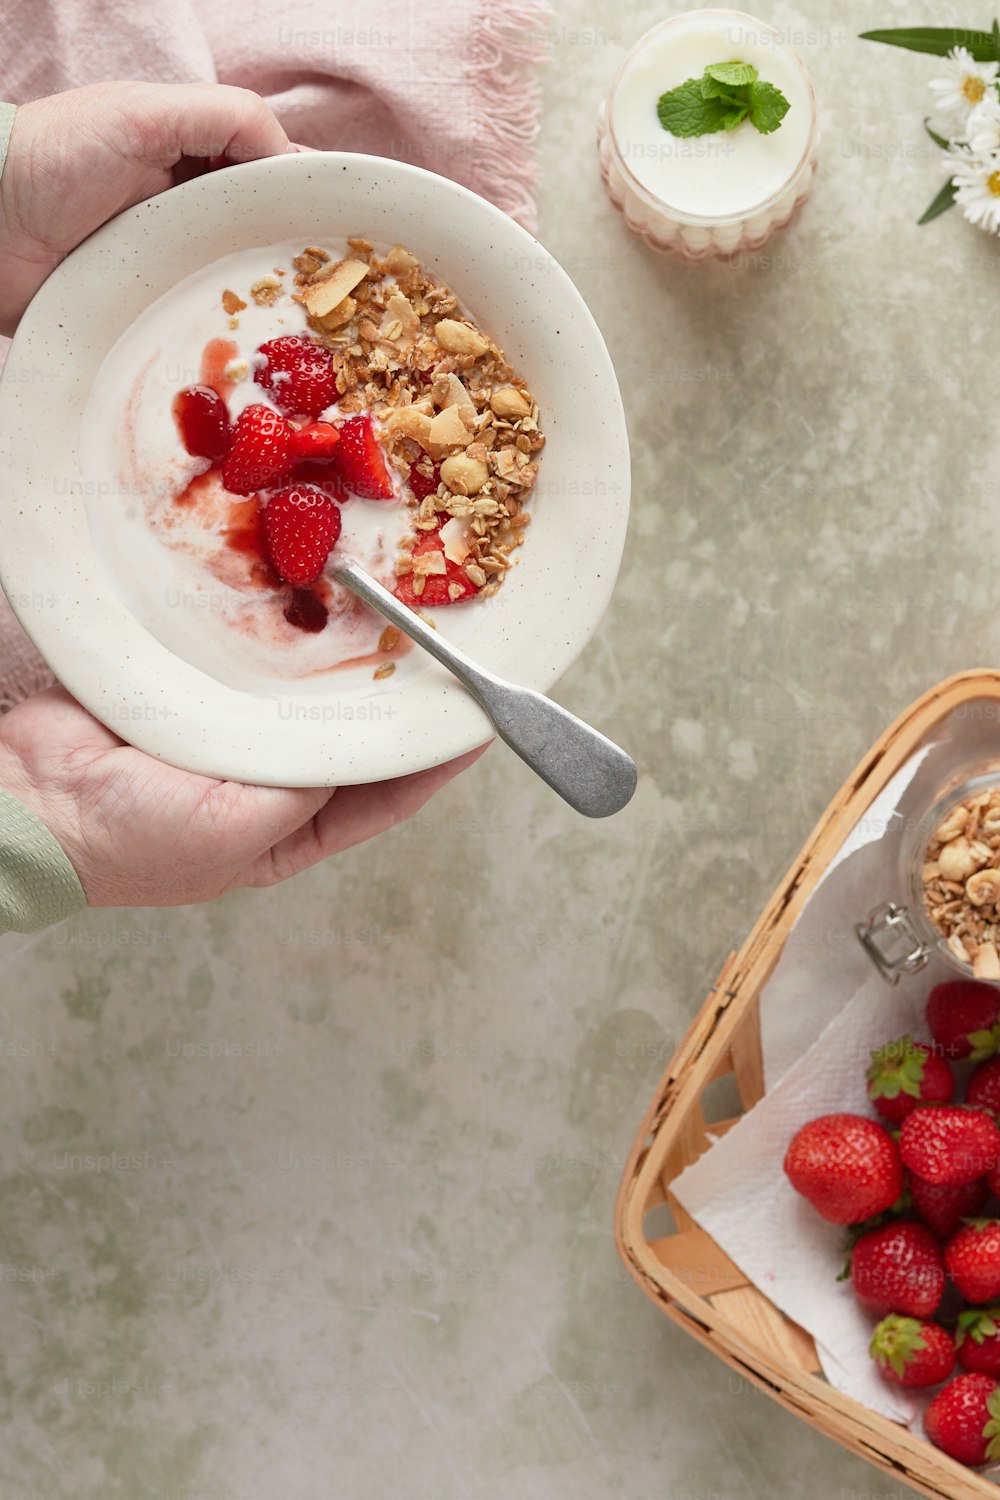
[
  {"x": 722, "y": 191},
  {"x": 204, "y": 704},
  {"x": 395, "y": 413}
]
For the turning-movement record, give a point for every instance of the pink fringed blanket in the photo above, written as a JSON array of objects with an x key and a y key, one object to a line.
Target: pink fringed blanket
[{"x": 451, "y": 85}]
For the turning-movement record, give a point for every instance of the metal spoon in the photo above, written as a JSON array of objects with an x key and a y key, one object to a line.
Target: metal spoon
[{"x": 590, "y": 772}]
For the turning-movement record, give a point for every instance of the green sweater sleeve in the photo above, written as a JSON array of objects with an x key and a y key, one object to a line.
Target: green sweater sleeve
[
  {"x": 38, "y": 885},
  {"x": 7, "y": 112}
]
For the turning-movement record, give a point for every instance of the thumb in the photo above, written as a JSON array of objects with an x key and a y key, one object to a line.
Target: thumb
[
  {"x": 269, "y": 814},
  {"x": 204, "y": 119}
]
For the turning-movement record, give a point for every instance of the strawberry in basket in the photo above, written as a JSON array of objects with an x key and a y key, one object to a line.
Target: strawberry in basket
[
  {"x": 978, "y": 1340},
  {"x": 912, "y": 1353},
  {"x": 972, "y": 1260},
  {"x": 963, "y": 1420},
  {"x": 964, "y": 1018},
  {"x": 905, "y": 1073},
  {"x": 949, "y": 1143},
  {"x": 898, "y": 1268},
  {"x": 848, "y": 1167}
]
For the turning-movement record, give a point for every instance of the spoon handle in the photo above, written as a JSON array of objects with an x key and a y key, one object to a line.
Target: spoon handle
[{"x": 590, "y": 772}]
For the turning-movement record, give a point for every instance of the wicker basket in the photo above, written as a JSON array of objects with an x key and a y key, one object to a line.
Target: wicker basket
[{"x": 685, "y": 1272}]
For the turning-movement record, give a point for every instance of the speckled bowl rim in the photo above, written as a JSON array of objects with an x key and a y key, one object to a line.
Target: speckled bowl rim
[{"x": 531, "y": 631}]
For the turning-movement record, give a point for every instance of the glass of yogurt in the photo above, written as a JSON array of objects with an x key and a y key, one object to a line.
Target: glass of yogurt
[{"x": 711, "y": 194}]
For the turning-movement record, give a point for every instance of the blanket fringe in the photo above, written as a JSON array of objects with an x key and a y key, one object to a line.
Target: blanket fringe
[{"x": 510, "y": 41}]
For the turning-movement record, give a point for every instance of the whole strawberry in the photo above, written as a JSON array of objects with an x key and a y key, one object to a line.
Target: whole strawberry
[
  {"x": 898, "y": 1268},
  {"x": 904, "y": 1074},
  {"x": 949, "y": 1143},
  {"x": 972, "y": 1260},
  {"x": 964, "y": 1018},
  {"x": 963, "y": 1420},
  {"x": 259, "y": 451},
  {"x": 911, "y": 1353},
  {"x": 848, "y": 1167},
  {"x": 943, "y": 1205},
  {"x": 299, "y": 374},
  {"x": 301, "y": 525},
  {"x": 978, "y": 1340},
  {"x": 984, "y": 1086}
]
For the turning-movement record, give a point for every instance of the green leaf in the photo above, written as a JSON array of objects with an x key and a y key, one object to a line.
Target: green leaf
[
  {"x": 711, "y": 88},
  {"x": 732, "y": 72},
  {"x": 768, "y": 107},
  {"x": 984, "y": 1043},
  {"x": 942, "y": 202},
  {"x": 996, "y": 40},
  {"x": 991, "y": 1430},
  {"x": 977, "y": 1323},
  {"x": 896, "y": 1340},
  {"x": 735, "y": 117},
  {"x": 897, "y": 1067},
  {"x": 683, "y": 112},
  {"x": 938, "y": 140},
  {"x": 937, "y": 40}
]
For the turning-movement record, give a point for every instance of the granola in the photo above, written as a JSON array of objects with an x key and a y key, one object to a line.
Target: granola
[
  {"x": 961, "y": 881},
  {"x": 456, "y": 423}
]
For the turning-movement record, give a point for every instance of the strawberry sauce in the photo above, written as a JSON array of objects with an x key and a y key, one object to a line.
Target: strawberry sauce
[
  {"x": 197, "y": 486},
  {"x": 306, "y": 611},
  {"x": 215, "y": 356}
]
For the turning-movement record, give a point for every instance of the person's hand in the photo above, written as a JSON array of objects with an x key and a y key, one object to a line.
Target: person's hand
[
  {"x": 77, "y": 159},
  {"x": 140, "y": 833}
]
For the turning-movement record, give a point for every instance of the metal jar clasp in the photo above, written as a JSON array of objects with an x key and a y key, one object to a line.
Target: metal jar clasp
[{"x": 892, "y": 942}]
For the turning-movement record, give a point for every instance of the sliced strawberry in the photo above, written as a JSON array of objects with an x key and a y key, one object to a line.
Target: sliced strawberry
[
  {"x": 436, "y": 585},
  {"x": 421, "y": 484},
  {"x": 203, "y": 422},
  {"x": 359, "y": 460},
  {"x": 260, "y": 451},
  {"x": 301, "y": 525},
  {"x": 299, "y": 374},
  {"x": 316, "y": 441},
  {"x": 323, "y": 475}
]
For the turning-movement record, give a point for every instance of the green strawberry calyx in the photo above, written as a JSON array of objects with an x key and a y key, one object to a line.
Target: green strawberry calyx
[
  {"x": 984, "y": 1044},
  {"x": 991, "y": 1429},
  {"x": 978, "y": 1323},
  {"x": 896, "y": 1342},
  {"x": 897, "y": 1068}
]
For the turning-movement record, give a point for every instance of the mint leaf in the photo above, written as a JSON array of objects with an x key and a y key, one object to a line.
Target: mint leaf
[
  {"x": 726, "y": 94},
  {"x": 768, "y": 107},
  {"x": 683, "y": 111},
  {"x": 732, "y": 72},
  {"x": 711, "y": 88}
]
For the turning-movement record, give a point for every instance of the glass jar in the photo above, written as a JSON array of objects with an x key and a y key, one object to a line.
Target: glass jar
[
  {"x": 716, "y": 194},
  {"x": 949, "y": 875}
]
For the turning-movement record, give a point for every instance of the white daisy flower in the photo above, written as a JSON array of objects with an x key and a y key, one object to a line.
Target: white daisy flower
[
  {"x": 964, "y": 85},
  {"x": 983, "y": 131},
  {"x": 977, "y": 180}
]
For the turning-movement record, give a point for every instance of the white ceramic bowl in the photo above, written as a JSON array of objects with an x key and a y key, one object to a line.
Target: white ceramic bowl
[{"x": 337, "y": 731}]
